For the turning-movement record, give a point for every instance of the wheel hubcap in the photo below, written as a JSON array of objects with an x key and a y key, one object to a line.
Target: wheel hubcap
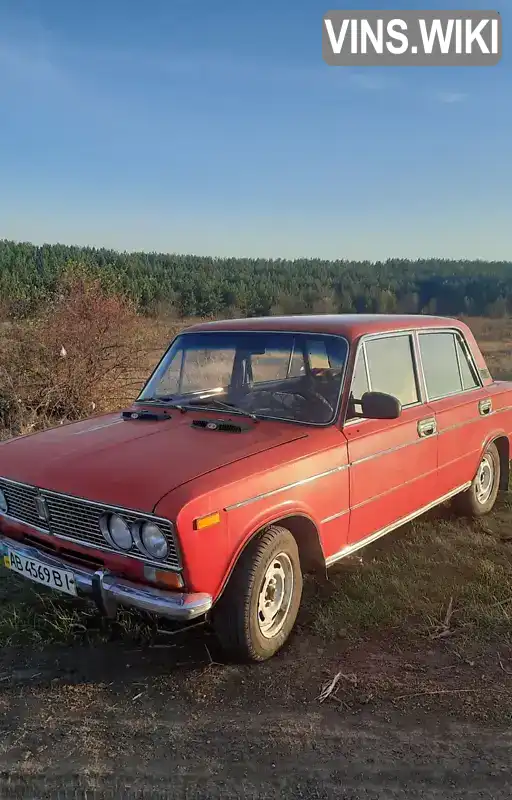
[
  {"x": 275, "y": 596},
  {"x": 484, "y": 479}
]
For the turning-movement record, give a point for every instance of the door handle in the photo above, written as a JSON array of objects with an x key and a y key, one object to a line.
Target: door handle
[
  {"x": 485, "y": 407},
  {"x": 427, "y": 427}
]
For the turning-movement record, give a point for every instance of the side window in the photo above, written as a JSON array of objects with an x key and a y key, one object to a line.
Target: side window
[
  {"x": 317, "y": 353},
  {"x": 296, "y": 365},
  {"x": 270, "y": 366},
  {"x": 441, "y": 354},
  {"x": 391, "y": 367},
  {"x": 440, "y": 365},
  {"x": 469, "y": 379}
]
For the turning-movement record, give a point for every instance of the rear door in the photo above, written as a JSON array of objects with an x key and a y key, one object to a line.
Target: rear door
[
  {"x": 393, "y": 463},
  {"x": 459, "y": 401}
]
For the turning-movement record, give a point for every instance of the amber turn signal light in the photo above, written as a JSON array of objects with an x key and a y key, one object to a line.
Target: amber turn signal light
[
  {"x": 206, "y": 522},
  {"x": 171, "y": 580}
]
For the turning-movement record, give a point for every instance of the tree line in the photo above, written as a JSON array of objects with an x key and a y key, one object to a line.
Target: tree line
[{"x": 196, "y": 286}]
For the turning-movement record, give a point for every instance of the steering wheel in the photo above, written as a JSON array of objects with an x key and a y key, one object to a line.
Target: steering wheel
[{"x": 278, "y": 398}]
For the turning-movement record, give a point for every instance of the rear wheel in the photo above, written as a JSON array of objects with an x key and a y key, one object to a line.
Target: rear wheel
[
  {"x": 259, "y": 606},
  {"x": 481, "y": 495}
]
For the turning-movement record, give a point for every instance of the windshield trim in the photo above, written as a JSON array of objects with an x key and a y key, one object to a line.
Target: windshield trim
[{"x": 262, "y": 418}]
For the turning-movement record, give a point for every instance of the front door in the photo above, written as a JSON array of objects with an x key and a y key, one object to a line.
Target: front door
[{"x": 393, "y": 463}]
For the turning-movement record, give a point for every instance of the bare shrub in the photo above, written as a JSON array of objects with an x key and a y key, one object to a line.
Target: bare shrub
[{"x": 87, "y": 352}]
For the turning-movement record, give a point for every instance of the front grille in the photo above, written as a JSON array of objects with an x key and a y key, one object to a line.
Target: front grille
[
  {"x": 78, "y": 520},
  {"x": 21, "y": 502}
]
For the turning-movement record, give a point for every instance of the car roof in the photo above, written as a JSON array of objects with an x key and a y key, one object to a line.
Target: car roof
[{"x": 350, "y": 325}]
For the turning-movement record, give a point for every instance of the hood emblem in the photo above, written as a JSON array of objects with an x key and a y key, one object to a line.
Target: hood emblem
[
  {"x": 42, "y": 508},
  {"x": 212, "y": 426}
]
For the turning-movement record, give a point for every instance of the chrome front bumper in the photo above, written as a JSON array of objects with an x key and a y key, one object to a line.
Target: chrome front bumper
[{"x": 110, "y": 592}]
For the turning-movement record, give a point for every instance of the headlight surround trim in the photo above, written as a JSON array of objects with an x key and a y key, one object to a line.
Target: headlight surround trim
[
  {"x": 139, "y": 539},
  {"x": 105, "y": 523}
]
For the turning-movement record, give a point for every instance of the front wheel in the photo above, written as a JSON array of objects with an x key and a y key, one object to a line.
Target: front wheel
[
  {"x": 481, "y": 495},
  {"x": 259, "y": 606}
]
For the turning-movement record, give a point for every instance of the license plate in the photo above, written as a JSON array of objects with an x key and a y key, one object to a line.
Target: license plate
[{"x": 34, "y": 570}]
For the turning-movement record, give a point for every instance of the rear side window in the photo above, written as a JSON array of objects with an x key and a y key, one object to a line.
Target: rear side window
[
  {"x": 446, "y": 364},
  {"x": 391, "y": 367}
]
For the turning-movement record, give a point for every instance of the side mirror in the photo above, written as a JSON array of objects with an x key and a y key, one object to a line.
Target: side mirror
[{"x": 378, "y": 405}]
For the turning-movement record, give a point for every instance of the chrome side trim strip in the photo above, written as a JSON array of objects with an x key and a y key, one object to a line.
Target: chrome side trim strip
[
  {"x": 320, "y": 475},
  {"x": 389, "y": 450},
  {"x": 475, "y": 419},
  {"x": 378, "y": 496},
  {"x": 501, "y": 410},
  {"x": 335, "y": 516},
  {"x": 472, "y": 453},
  {"x": 285, "y": 488},
  {"x": 458, "y": 425},
  {"x": 346, "y": 551},
  {"x": 393, "y": 489}
]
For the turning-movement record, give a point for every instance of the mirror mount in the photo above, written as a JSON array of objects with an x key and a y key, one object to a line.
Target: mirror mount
[{"x": 379, "y": 405}]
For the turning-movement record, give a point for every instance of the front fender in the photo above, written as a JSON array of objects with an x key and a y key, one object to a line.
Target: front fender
[{"x": 244, "y": 527}]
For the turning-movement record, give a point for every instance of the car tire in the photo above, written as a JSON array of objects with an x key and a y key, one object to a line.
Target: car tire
[
  {"x": 481, "y": 496},
  {"x": 258, "y": 608}
]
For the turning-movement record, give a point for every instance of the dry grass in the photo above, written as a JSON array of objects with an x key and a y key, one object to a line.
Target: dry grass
[
  {"x": 32, "y": 615},
  {"x": 495, "y": 339},
  {"x": 88, "y": 353},
  {"x": 441, "y": 578}
]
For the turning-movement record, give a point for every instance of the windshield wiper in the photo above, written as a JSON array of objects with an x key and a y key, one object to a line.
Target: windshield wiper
[
  {"x": 226, "y": 406},
  {"x": 168, "y": 401},
  {"x": 165, "y": 399}
]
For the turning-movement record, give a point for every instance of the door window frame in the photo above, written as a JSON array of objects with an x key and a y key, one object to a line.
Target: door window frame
[
  {"x": 418, "y": 367},
  {"x": 458, "y": 335},
  {"x": 361, "y": 347}
]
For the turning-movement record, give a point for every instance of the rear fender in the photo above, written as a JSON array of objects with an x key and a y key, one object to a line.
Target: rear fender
[{"x": 502, "y": 442}]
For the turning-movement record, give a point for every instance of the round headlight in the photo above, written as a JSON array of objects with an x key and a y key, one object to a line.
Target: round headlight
[
  {"x": 120, "y": 533},
  {"x": 153, "y": 540},
  {"x": 3, "y": 503}
]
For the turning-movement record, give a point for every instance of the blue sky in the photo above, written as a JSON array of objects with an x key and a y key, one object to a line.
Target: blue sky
[{"x": 215, "y": 127}]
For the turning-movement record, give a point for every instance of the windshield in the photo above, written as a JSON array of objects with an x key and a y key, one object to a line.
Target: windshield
[{"x": 292, "y": 376}]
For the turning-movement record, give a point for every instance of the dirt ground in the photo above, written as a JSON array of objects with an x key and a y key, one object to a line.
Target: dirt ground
[{"x": 172, "y": 720}]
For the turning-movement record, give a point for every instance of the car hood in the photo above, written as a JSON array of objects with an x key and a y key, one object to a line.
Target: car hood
[{"x": 134, "y": 462}]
